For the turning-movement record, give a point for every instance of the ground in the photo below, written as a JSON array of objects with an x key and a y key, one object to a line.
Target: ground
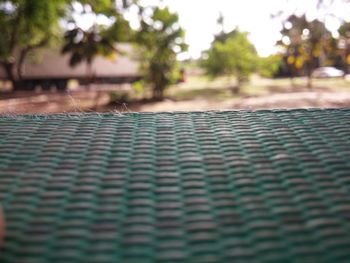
[{"x": 198, "y": 93}]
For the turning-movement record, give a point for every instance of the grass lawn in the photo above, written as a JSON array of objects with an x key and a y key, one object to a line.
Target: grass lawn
[
  {"x": 197, "y": 93},
  {"x": 200, "y": 87},
  {"x": 201, "y": 93}
]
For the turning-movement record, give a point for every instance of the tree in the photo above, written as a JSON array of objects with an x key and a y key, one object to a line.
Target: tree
[
  {"x": 26, "y": 25},
  {"x": 85, "y": 45},
  {"x": 231, "y": 54},
  {"x": 306, "y": 44},
  {"x": 268, "y": 66},
  {"x": 160, "y": 39},
  {"x": 344, "y": 46},
  {"x": 309, "y": 44}
]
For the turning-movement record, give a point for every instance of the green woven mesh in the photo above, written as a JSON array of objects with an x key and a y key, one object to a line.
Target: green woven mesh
[{"x": 266, "y": 186}]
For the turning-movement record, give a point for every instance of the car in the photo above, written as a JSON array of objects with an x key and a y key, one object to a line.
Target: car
[{"x": 327, "y": 72}]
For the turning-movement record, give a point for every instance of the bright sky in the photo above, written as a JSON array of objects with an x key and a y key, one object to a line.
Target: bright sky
[{"x": 198, "y": 18}]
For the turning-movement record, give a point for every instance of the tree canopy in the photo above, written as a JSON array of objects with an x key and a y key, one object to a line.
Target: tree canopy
[
  {"x": 307, "y": 45},
  {"x": 31, "y": 24},
  {"x": 160, "y": 39},
  {"x": 231, "y": 54},
  {"x": 26, "y": 25},
  {"x": 268, "y": 66},
  {"x": 344, "y": 45},
  {"x": 86, "y": 44}
]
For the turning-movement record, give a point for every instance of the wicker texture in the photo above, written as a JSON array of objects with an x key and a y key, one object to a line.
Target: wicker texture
[{"x": 265, "y": 186}]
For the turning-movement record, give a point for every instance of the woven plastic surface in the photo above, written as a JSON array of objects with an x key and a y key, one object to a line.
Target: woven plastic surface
[{"x": 266, "y": 186}]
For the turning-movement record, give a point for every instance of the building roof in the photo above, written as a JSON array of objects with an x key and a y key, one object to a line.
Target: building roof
[{"x": 264, "y": 186}]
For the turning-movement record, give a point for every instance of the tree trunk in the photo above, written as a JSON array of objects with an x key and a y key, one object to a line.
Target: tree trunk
[
  {"x": 158, "y": 93},
  {"x": 89, "y": 74},
  {"x": 21, "y": 59},
  {"x": 23, "y": 54},
  {"x": 346, "y": 62},
  {"x": 292, "y": 82},
  {"x": 237, "y": 88},
  {"x": 159, "y": 85},
  {"x": 9, "y": 69},
  {"x": 292, "y": 77},
  {"x": 309, "y": 75},
  {"x": 309, "y": 82},
  {"x": 229, "y": 83}
]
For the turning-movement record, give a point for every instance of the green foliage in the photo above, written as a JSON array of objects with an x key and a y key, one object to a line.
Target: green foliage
[
  {"x": 344, "y": 46},
  {"x": 119, "y": 31},
  {"x": 25, "y": 26},
  {"x": 85, "y": 45},
  {"x": 99, "y": 6},
  {"x": 231, "y": 54},
  {"x": 138, "y": 87},
  {"x": 30, "y": 24},
  {"x": 269, "y": 66},
  {"x": 159, "y": 40},
  {"x": 307, "y": 45},
  {"x": 344, "y": 30},
  {"x": 27, "y": 23}
]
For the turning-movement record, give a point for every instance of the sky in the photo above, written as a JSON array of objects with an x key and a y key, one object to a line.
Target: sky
[{"x": 198, "y": 18}]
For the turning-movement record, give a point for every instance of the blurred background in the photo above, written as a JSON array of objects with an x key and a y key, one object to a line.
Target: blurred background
[{"x": 173, "y": 55}]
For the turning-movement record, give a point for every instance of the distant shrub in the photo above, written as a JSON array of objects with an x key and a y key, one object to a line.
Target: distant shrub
[{"x": 269, "y": 66}]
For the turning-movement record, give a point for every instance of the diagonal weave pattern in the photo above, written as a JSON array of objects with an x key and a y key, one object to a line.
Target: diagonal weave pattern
[{"x": 266, "y": 186}]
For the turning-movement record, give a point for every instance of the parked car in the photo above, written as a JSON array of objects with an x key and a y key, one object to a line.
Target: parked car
[{"x": 327, "y": 72}]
